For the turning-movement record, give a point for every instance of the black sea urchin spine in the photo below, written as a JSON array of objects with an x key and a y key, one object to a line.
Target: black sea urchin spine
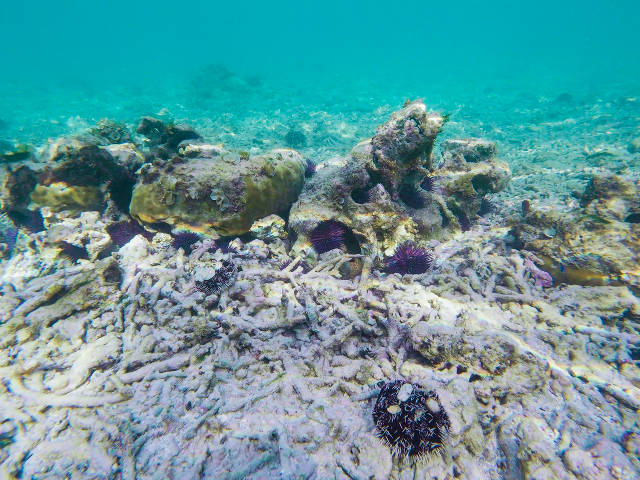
[
  {"x": 411, "y": 421},
  {"x": 185, "y": 240},
  {"x": 122, "y": 232},
  {"x": 224, "y": 277}
]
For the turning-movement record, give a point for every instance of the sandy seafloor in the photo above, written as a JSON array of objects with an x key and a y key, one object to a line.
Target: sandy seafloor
[{"x": 145, "y": 378}]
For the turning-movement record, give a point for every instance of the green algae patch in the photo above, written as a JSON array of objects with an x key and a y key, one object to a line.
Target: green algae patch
[
  {"x": 219, "y": 196},
  {"x": 60, "y": 196}
]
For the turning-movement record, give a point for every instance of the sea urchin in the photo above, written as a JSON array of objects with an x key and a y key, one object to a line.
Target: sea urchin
[
  {"x": 122, "y": 232},
  {"x": 409, "y": 420},
  {"x": 328, "y": 235},
  {"x": 185, "y": 240},
  {"x": 224, "y": 277},
  {"x": 409, "y": 258}
]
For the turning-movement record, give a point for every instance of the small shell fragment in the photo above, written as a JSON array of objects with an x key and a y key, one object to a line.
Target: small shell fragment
[
  {"x": 393, "y": 409},
  {"x": 405, "y": 392}
]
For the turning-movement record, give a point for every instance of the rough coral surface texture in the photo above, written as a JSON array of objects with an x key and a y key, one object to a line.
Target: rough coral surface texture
[
  {"x": 388, "y": 191},
  {"x": 597, "y": 242},
  {"x": 222, "y": 195}
]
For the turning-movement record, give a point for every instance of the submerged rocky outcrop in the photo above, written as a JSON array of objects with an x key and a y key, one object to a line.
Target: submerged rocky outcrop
[
  {"x": 147, "y": 352},
  {"x": 597, "y": 243},
  {"x": 388, "y": 190}
]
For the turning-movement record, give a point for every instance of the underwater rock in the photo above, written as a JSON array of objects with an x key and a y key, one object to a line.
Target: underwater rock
[
  {"x": 8, "y": 236},
  {"x": 18, "y": 185},
  {"x": 401, "y": 148},
  {"x": 596, "y": 244},
  {"x": 269, "y": 228},
  {"x": 108, "y": 132},
  {"x": 200, "y": 150},
  {"x": 221, "y": 196},
  {"x": 470, "y": 171},
  {"x": 169, "y": 134},
  {"x": 78, "y": 177},
  {"x": 10, "y": 153},
  {"x": 86, "y": 230},
  {"x": 59, "y": 196},
  {"x": 126, "y": 155},
  {"x": 387, "y": 191}
]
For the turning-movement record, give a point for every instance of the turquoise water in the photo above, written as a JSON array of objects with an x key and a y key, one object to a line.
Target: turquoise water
[{"x": 67, "y": 64}]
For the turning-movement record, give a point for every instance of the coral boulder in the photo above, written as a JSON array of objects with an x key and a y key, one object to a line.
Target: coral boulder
[{"x": 221, "y": 193}]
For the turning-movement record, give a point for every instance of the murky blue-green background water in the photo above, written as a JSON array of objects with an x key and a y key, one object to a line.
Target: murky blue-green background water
[{"x": 66, "y": 64}]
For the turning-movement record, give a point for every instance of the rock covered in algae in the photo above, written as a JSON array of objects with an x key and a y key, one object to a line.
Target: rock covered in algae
[
  {"x": 218, "y": 195},
  {"x": 596, "y": 244},
  {"x": 77, "y": 176},
  {"x": 269, "y": 228},
  {"x": 387, "y": 191}
]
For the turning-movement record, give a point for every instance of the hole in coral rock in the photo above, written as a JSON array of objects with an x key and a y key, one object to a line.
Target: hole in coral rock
[
  {"x": 481, "y": 184},
  {"x": 410, "y": 196},
  {"x": 121, "y": 191},
  {"x": 445, "y": 219},
  {"x": 633, "y": 218},
  {"x": 351, "y": 242},
  {"x": 360, "y": 195},
  {"x": 463, "y": 218}
]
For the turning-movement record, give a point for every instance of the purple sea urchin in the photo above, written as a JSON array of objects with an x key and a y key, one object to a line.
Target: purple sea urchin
[
  {"x": 409, "y": 258},
  {"x": 328, "y": 235},
  {"x": 122, "y": 232},
  {"x": 185, "y": 240},
  {"x": 428, "y": 184},
  {"x": 310, "y": 168},
  {"x": 223, "y": 277},
  {"x": 409, "y": 420}
]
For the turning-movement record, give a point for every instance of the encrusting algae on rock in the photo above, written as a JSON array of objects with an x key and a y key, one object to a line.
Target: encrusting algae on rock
[
  {"x": 220, "y": 196},
  {"x": 597, "y": 243}
]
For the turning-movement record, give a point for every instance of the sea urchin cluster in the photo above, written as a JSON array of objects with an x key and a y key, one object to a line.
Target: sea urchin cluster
[
  {"x": 409, "y": 420},
  {"x": 409, "y": 258},
  {"x": 328, "y": 235}
]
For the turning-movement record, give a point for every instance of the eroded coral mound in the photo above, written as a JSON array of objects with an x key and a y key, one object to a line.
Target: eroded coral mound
[
  {"x": 388, "y": 191},
  {"x": 595, "y": 244}
]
